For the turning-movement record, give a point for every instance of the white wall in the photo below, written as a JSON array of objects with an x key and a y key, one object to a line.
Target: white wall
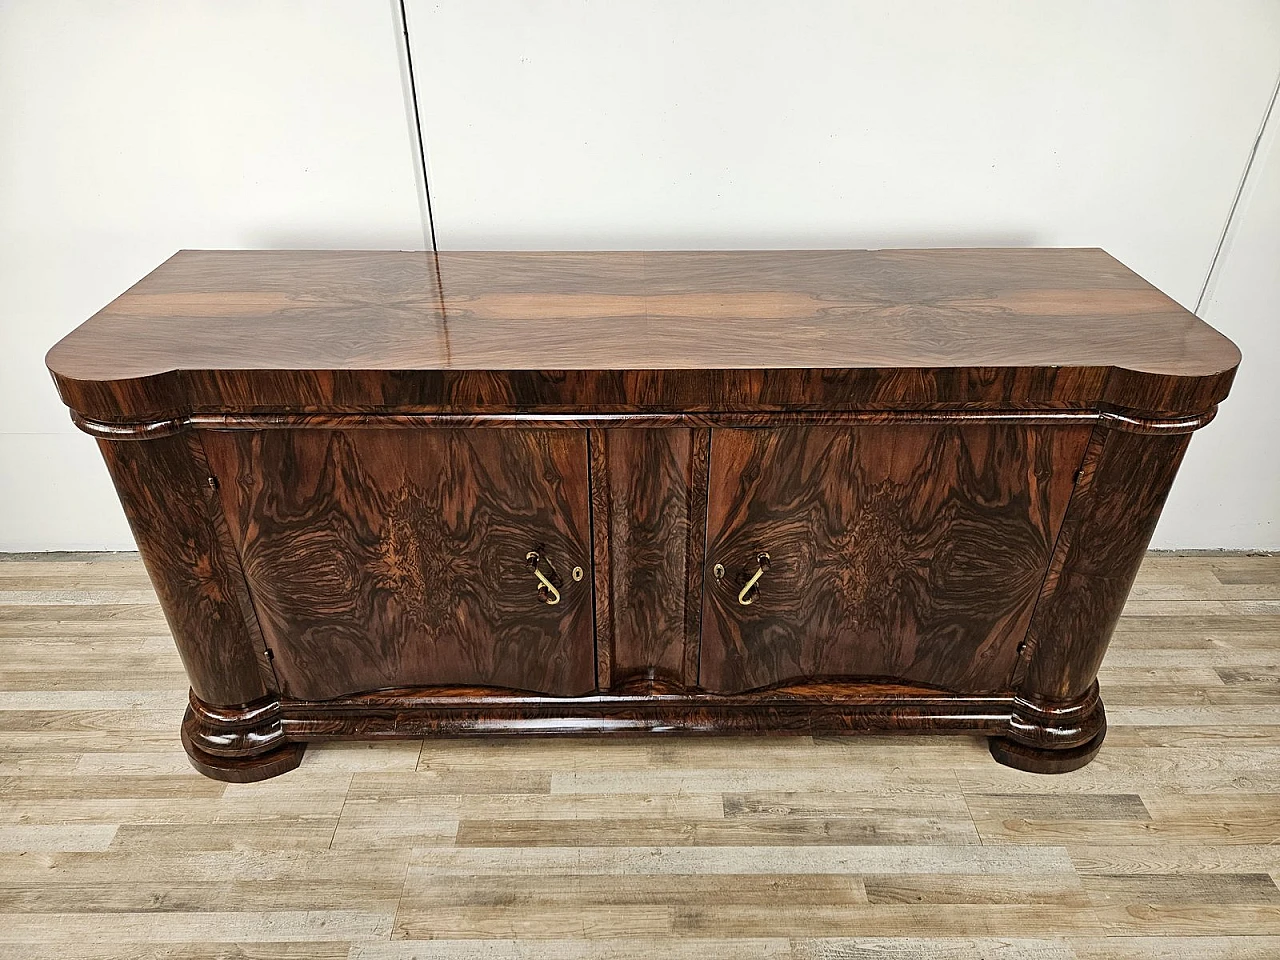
[
  {"x": 723, "y": 123},
  {"x": 1228, "y": 491},
  {"x": 130, "y": 129},
  {"x": 133, "y": 128}
]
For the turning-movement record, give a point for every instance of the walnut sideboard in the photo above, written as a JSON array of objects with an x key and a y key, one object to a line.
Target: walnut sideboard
[{"x": 388, "y": 494}]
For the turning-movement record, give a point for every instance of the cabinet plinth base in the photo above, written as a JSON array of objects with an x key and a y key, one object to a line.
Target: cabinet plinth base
[
  {"x": 266, "y": 738},
  {"x": 1039, "y": 760},
  {"x": 244, "y": 769}
]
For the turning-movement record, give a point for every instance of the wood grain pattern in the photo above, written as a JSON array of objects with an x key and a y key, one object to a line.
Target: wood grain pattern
[
  {"x": 696, "y": 552},
  {"x": 384, "y": 558},
  {"x": 650, "y": 483},
  {"x": 1167, "y": 846},
  {"x": 199, "y": 583},
  {"x": 601, "y": 556},
  {"x": 914, "y": 553},
  {"x": 1107, "y": 528},
  {"x": 767, "y": 330}
]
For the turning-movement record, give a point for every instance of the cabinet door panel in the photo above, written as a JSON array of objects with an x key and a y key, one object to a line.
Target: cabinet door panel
[
  {"x": 390, "y": 558},
  {"x": 909, "y": 552}
]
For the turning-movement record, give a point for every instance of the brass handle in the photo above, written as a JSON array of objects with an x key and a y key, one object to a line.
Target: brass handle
[
  {"x": 762, "y": 564},
  {"x": 547, "y": 591}
]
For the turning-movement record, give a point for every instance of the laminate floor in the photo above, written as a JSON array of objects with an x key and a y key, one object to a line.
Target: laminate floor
[{"x": 1167, "y": 846}]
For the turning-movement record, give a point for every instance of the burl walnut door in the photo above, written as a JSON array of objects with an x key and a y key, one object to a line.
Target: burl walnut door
[
  {"x": 912, "y": 552},
  {"x": 396, "y": 558}
]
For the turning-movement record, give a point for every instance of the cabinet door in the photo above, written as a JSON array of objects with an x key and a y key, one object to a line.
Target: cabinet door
[
  {"x": 396, "y": 558},
  {"x": 910, "y": 552}
]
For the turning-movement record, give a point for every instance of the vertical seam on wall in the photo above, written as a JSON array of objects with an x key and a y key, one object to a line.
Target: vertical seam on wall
[
  {"x": 1235, "y": 201},
  {"x": 417, "y": 125}
]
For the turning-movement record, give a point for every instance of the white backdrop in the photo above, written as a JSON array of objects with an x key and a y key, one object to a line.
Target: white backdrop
[{"x": 132, "y": 129}]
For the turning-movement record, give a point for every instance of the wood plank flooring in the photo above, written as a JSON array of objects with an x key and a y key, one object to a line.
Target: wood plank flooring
[{"x": 1167, "y": 846}]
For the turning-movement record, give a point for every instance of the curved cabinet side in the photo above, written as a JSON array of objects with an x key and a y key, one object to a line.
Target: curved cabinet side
[
  {"x": 1121, "y": 490},
  {"x": 200, "y": 587}
]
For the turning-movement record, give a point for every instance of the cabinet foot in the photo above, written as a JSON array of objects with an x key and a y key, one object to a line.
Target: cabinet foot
[
  {"x": 1041, "y": 760},
  {"x": 244, "y": 769},
  {"x": 239, "y": 744}
]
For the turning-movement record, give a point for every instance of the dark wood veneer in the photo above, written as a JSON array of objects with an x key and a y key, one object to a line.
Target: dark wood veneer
[
  {"x": 212, "y": 331},
  {"x": 336, "y": 465},
  {"x": 1106, "y": 531},
  {"x": 380, "y": 558},
  {"x": 914, "y": 552},
  {"x": 180, "y": 533},
  {"x": 651, "y": 477}
]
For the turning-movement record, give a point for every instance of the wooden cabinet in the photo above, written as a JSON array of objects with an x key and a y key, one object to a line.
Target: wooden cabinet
[
  {"x": 815, "y": 492},
  {"x": 398, "y": 558}
]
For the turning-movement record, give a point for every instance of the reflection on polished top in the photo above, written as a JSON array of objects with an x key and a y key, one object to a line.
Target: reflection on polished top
[{"x": 645, "y": 311}]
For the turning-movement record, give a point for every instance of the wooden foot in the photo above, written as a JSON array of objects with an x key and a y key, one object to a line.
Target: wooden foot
[
  {"x": 239, "y": 744},
  {"x": 1039, "y": 760},
  {"x": 244, "y": 769}
]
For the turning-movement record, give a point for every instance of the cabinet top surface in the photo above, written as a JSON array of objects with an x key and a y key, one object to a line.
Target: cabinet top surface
[
  {"x": 618, "y": 311},
  {"x": 207, "y": 310}
]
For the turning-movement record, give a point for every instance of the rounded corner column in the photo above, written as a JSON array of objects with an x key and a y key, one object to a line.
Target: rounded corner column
[{"x": 1058, "y": 723}]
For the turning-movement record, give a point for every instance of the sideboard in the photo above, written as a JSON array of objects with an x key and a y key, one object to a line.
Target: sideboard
[{"x": 396, "y": 494}]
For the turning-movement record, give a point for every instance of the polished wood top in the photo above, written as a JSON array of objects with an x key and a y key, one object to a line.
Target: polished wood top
[{"x": 630, "y": 312}]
